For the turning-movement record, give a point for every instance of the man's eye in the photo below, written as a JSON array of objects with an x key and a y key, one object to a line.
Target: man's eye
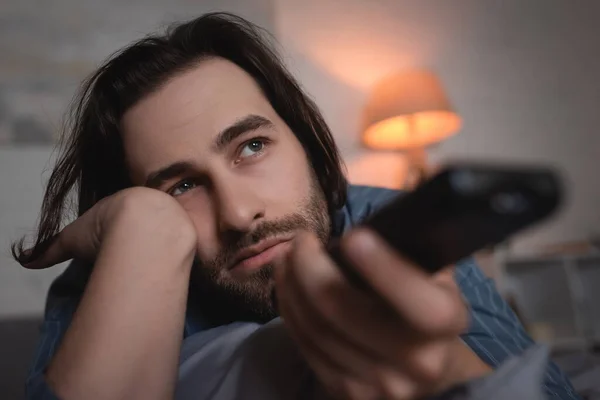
[
  {"x": 252, "y": 147},
  {"x": 182, "y": 187}
]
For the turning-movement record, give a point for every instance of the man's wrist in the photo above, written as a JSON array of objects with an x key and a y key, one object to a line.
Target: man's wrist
[{"x": 463, "y": 365}]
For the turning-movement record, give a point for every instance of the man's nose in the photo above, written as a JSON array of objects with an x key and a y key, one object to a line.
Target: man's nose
[{"x": 238, "y": 207}]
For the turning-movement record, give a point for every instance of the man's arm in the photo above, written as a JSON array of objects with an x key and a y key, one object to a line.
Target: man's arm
[
  {"x": 495, "y": 332},
  {"x": 124, "y": 337},
  {"x": 63, "y": 297}
]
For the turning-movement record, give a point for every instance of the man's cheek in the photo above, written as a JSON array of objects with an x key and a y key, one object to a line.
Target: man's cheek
[
  {"x": 285, "y": 178},
  {"x": 286, "y": 196}
]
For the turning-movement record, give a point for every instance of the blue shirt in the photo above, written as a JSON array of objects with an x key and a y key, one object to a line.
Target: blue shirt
[{"x": 494, "y": 333}]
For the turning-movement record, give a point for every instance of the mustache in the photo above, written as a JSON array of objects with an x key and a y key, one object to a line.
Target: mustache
[{"x": 265, "y": 230}]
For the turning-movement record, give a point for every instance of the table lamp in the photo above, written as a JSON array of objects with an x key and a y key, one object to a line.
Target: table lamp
[{"x": 407, "y": 112}]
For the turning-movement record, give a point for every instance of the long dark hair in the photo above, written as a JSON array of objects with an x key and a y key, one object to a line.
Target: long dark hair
[{"x": 92, "y": 159}]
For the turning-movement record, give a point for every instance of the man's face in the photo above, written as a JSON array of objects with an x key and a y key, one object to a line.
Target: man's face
[{"x": 211, "y": 139}]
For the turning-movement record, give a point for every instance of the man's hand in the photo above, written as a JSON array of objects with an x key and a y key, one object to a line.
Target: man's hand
[
  {"x": 142, "y": 207},
  {"x": 400, "y": 342}
]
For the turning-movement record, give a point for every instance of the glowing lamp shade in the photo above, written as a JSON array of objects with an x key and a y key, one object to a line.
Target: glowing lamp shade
[{"x": 407, "y": 111}]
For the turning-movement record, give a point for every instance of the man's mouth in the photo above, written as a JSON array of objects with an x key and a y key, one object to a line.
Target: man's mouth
[{"x": 265, "y": 252}]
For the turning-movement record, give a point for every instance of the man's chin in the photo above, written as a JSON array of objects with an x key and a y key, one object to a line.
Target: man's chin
[
  {"x": 242, "y": 275},
  {"x": 249, "y": 298},
  {"x": 256, "y": 277},
  {"x": 256, "y": 306}
]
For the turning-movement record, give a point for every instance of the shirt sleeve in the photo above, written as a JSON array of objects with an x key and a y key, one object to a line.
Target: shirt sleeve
[
  {"x": 495, "y": 333},
  {"x": 63, "y": 298}
]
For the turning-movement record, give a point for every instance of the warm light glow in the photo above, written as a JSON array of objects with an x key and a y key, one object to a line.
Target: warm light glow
[
  {"x": 348, "y": 46},
  {"x": 408, "y": 110},
  {"x": 409, "y": 131}
]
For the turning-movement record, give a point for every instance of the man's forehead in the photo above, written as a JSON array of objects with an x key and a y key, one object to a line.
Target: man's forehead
[{"x": 215, "y": 93}]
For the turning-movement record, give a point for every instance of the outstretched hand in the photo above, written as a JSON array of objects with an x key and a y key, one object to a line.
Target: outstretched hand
[{"x": 399, "y": 342}]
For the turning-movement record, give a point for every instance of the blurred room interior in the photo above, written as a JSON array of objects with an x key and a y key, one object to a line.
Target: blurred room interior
[{"x": 510, "y": 81}]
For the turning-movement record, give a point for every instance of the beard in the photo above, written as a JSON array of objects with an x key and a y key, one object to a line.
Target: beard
[{"x": 223, "y": 299}]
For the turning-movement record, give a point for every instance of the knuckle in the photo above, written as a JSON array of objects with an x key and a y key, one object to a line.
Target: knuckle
[
  {"x": 449, "y": 317},
  {"x": 394, "y": 385},
  {"x": 431, "y": 364}
]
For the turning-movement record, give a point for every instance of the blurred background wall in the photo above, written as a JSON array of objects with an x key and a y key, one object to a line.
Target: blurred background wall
[{"x": 522, "y": 75}]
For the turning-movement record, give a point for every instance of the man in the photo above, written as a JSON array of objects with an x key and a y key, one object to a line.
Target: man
[{"x": 205, "y": 179}]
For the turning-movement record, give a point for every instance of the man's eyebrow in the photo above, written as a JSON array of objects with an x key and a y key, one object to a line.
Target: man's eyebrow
[
  {"x": 246, "y": 124},
  {"x": 157, "y": 178}
]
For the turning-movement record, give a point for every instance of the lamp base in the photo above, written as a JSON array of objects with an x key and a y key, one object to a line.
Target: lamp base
[{"x": 418, "y": 170}]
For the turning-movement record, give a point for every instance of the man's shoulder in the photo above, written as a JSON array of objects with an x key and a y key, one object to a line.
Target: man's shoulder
[
  {"x": 362, "y": 194},
  {"x": 361, "y": 202}
]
